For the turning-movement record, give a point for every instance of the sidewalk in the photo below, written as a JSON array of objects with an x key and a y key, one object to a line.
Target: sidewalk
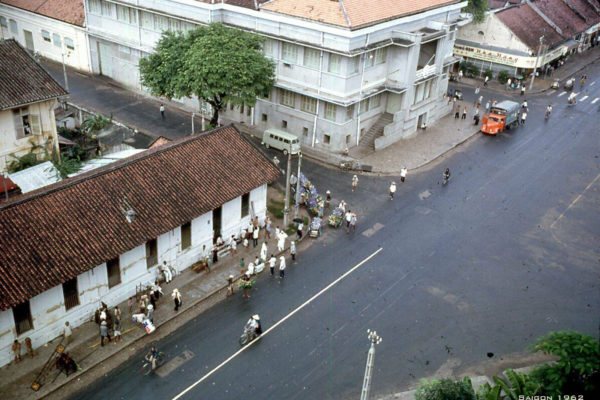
[
  {"x": 573, "y": 66},
  {"x": 195, "y": 288}
]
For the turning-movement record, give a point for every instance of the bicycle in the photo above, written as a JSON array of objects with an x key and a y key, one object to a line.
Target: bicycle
[{"x": 147, "y": 365}]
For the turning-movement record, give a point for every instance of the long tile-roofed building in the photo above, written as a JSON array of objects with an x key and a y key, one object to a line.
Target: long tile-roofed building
[
  {"x": 22, "y": 79},
  {"x": 70, "y": 11},
  {"x": 528, "y": 26},
  {"x": 53, "y": 234},
  {"x": 352, "y": 14}
]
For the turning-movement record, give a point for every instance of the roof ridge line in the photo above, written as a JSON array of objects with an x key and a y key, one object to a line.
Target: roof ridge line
[
  {"x": 69, "y": 182},
  {"x": 345, "y": 13}
]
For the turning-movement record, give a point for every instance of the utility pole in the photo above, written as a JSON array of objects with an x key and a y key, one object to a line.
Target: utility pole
[
  {"x": 374, "y": 339},
  {"x": 193, "y": 115},
  {"x": 65, "y": 71},
  {"x": 536, "y": 62},
  {"x": 286, "y": 208},
  {"x": 298, "y": 185}
]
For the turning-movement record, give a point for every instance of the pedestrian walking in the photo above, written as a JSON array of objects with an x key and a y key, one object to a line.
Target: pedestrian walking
[
  {"x": 177, "y": 299},
  {"x": 104, "y": 332},
  {"x": 272, "y": 262},
  {"x": 245, "y": 244},
  {"x": 281, "y": 241},
  {"x": 242, "y": 265},
  {"x": 392, "y": 190},
  {"x": 255, "y": 233},
  {"x": 354, "y": 182},
  {"x": 299, "y": 231},
  {"x": 67, "y": 333},
  {"x": 162, "y": 111},
  {"x": 29, "y": 347},
  {"x": 166, "y": 270},
  {"x": 487, "y": 106},
  {"x": 117, "y": 331},
  {"x": 460, "y": 75},
  {"x": 508, "y": 83},
  {"x": 347, "y": 218},
  {"x": 479, "y": 101},
  {"x": 229, "y": 286},
  {"x": 277, "y": 232},
  {"x": 476, "y": 91},
  {"x": 342, "y": 206},
  {"x": 263, "y": 252},
  {"x": 16, "y": 349},
  {"x": 522, "y": 90},
  {"x": 130, "y": 304},
  {"x": 464, "y": 113},
  {"x": 246, "y": 285},
  {"x": 353, "y": 222},
  {"x": 457, "y": 112},
  {"x": 233, "y": 245},
  {"x": 215, "y": 257},
  {"x": 476, "y": 115},
  {"x": 403, "y": 173},
  {"x": 293, "y": 251},
  {"x": 267, "y": 228},
  {"x": 485, "y": 81},
  {"x": 150, "y": 313},
  {"x": 327, "y": 199},
  {"x": 281, "y": 267},
  {"x": 523, "y": 117}
]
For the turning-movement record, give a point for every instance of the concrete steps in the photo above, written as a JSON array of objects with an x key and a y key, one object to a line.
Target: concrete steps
[{"x": 368, "y": 140}]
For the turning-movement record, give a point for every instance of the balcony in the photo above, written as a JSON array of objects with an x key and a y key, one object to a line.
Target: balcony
[{"x": 425, "y": 72}]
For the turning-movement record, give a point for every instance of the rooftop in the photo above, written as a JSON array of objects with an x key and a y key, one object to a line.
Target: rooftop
[
  {"x": 22, "y": 79},
  {"x": 42, "y": 232},
  {"x": 528, "y": 26},
  {"x": 70, "y": 11}
]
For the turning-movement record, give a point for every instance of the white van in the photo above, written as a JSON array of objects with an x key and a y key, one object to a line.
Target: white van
[{"x": 281, "y": 140}]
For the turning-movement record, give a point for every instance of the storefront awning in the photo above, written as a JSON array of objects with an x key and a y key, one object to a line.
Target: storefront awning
[{"x": 571, "y": 44}]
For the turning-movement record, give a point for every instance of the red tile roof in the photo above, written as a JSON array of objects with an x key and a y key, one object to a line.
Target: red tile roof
[
  {"x": 586, "y": 10},
  {"x": 71, "y": 11},
  {"x": 54, "y": 234},
  {"x": 352, "y": 13},
  {"x": 22, "y": 79},
  {"x": 559, "y": 13},
  {"x": 528, "y": 26}
]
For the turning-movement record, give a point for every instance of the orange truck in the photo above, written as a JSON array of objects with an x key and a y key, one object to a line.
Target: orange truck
[{"x": 503, "y": 115}]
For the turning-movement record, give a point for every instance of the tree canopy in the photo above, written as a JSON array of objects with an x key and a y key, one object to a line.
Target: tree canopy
[
  {"x": 215, "y": 63},
  {"x": 477, "y": 8}
]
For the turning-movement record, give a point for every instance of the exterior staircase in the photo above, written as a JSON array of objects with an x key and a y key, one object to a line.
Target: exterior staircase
[{"x": 368, "y": 140}]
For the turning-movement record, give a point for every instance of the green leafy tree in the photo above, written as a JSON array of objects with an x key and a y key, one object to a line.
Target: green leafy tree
[
  {"x": 477, "y": 8},
  {"x": 446, "y": 389},
  {"x": 518, "y": 386},
  {"x": 577, "y": 370},
  {"x": 503, "y": 76},
  {"x": 217, "y": 64}
]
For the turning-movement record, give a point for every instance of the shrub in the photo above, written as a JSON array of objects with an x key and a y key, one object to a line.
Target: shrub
[
  {"x": 503, "y": 76},
  {"x": 489, "y": 73},
  {"x": 446, "y": 389}
]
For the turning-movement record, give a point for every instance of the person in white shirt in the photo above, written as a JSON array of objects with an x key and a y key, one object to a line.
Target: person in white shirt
[
  {"x": 403, "y": 173},
  {"x": 272, "y": 262},
  {"x": 255, "y": 236},
  {"x": 281, "y": 267},
  {"x": 392, "y": 190},
  {"x": 263, "y": 252},
  {"x": 233, "y": 245}
]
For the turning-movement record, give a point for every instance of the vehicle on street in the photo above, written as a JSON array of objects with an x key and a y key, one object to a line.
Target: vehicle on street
[
  {"x": 315, "y": 227},
  {"x": 458, "y": 94},
  {"x": 280, "y": 140},
  {"x": 569, "y": 84},
  {"x": 503, "y": 115},
  {"x": 147, "y": 363}
]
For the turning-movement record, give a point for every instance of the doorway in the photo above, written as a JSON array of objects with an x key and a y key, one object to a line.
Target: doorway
[
  {"x": 105, "y": 59},
  {"x": 422, "y": 121},
  {"x": 28, "y": 40},
  {"x": 216, "y": 215}
]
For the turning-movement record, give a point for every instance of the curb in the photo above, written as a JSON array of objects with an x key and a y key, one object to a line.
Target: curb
[{"x": 144, "y": 335}]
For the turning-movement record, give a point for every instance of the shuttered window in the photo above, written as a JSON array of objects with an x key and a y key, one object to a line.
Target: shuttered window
[
  {"x": 22, "y": 315},
  {"x": 113, "y": 271},
  {"x": 70, "y": 293},
  {"x": 186, "y": 235}
]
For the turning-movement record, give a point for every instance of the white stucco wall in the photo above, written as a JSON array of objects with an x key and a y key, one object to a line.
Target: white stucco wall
[
  {"x": 35, "y": 23},
  {"x": 495, "y": 33}
]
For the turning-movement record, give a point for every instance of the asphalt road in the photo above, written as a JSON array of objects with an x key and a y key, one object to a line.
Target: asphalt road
[{"x": 506, "y": 252}]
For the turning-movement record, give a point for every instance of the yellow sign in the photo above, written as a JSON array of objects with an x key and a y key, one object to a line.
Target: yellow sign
[{"x": 504, "y": 58}]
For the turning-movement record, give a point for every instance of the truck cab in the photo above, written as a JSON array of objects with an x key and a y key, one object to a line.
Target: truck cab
[{"x": 502, "y": 116}]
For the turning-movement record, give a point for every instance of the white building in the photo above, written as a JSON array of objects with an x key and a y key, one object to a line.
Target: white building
[
  {"x": 96, "y": 236},
  {"x": 347, "y": 72},
  {"x": 27, "y": 99},
  {"x": 50, "y": 28}
]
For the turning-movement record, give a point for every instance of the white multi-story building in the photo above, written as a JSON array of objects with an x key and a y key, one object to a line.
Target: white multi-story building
[
  {"x": 96, "y": 236},
  {"x": 348, "y": 72},
  {"x": 54, "y": 29}
]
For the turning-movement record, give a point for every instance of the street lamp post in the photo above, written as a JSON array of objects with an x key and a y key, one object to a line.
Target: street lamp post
[
  {"x": 366, "y": 388},
  {"x": 193, "y": 115},
  {"x": 65, "y": 70},
  {"x": 286, "y": 208},
  {"x": 536, "y": 62},
  {"x": 298, "y": 185}
]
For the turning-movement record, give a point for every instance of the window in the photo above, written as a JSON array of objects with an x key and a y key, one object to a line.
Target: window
[
  {"x": 287, "y": 98},
  {"x": 161, "y": 23},
  {"x": 95, "y": 6},
  {"x": 309, "y": 105},
  {"x": 186, "y": 235},
  {"x": 22, "y": 315},
  {"x": 364, "y": 105},
  {"x": 242, "y": 109},
  {"x": 26, "y": 124},
  {"x": 326, "y": 139},
  {"x": 335, "y": 63},
  {"x": 311, "y": 58},
  {"x": 289, "y": 52},
  {"x": 46, "y": 36},
  {"x": 422, "y": 91},
  {"x": 151, "y": 253},
  {"x": 124, "y": 49},
  {"x": 127, "y": 14},
  {"x": 13, "y": 26},
  {"x": 305, "y": 131},
  {"x": 174, "y": 25},
  {"x": 264, "y": 117},
  {"x": 354, "y": 64},
  {"x": 70, "y": 293},
  {"x": 147, "y": 20},
  {"x": 3, "y": 22},
  {"x": 376, "y": 57},
  {"x": 114, "y": 272},
  {"x": 69, "y": 43},
  {"x": 374, "y": 102},
  {"x": 56, "y": 40},
  {"x": 106, "y": 9},
  {"x": 284, "y": 124},
  {"x": 349, "y": 112},
  {"x": 330, "y": 111},
  {"x": 269, "y": 47},
  {"x": 188, "y": 26},
  {"x": 245, "y": 204},
  {"x": 347, "y": 139}
]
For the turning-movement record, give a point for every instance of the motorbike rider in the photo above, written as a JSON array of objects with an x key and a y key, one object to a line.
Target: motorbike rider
[
  {"x": 447, "y": 174},
  {"x": 524, "y": 105},
  {"x": 548, "y": 110},
  {"x": 572, "y": 99},
  {"x": 253, "y": 325},
  {"x": 152, "y": 356}
]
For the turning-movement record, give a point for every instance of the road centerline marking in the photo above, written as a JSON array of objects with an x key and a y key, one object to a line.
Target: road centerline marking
[
  {"x": 595, "y": 100},
  {"x": 307, "y": 302},
  {"x": 583, "y": 98},
  {"x": 562, "y": 94},
  {"x": 575, "y": 201}
]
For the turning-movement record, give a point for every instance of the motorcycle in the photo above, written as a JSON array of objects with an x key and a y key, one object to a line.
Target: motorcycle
[
  {"x": 445, "y": 180},
  {"x": 247, "y": 336}
]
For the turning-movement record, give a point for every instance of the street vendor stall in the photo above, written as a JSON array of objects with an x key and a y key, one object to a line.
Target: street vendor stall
[{"x": 335, "y": 219}]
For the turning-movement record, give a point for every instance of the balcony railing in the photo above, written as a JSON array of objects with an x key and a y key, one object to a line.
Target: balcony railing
[{"x": 425, "y": 72}]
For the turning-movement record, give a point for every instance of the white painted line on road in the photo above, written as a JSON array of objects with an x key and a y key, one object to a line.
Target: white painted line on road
[
  {"x": 592, "y": 84},
  {"x": 307, "y": 302},
  {"x": 575, "y": 201},
  {"x": 562, "y": 94},
  {"x": 583, "y": 98},
  {"x": 595, "y": 100}
]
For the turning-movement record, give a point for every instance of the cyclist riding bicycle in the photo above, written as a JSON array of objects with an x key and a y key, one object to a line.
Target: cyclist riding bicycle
[{"x": 152, "y": 356}]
